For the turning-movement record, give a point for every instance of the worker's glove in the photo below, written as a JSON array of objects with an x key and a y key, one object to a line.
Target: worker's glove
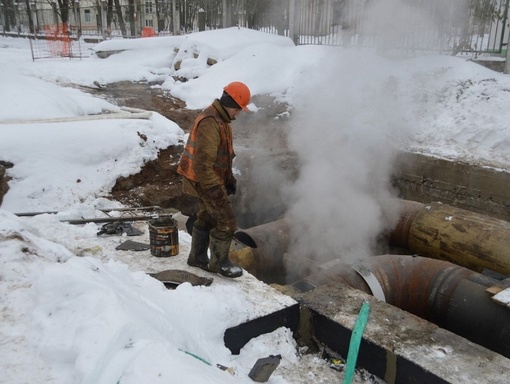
[
  {"x": 231, "y": 186},
  {"x": 216, "y": 193}
]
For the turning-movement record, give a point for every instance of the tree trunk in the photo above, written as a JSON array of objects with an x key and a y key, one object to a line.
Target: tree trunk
[
  {"x": 131, "y": 17},
  {"x": 30, "y": 20},
  {"x": 109, "y": 14},
  {"x": 63, "y": 6},
  {"x": 120, "y": 17},
  {"x": 7, "y": 7}
]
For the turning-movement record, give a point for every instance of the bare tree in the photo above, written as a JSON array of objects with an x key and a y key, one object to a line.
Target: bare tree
[
  {"x": 63, "y": 6},
  {"x": 29, "y": 14},
  {"x": 120, "y": 17},
  {"x": 9, "y": 14},
  {"x": 131, "y": 16}
]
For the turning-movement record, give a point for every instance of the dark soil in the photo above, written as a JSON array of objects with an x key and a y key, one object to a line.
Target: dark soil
[
  {"x": 157, "y": 183},
  {"x": 4, "y": 179}
]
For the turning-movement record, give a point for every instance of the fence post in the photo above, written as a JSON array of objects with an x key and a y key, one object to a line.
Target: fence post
[
  {"x": 224, "y": 13},
  {"x": 175, "y": 19},
  {"x": 2, "y": 17},
  {"x": 103, "y": 18},
  {"x": 292, "y": 22},
  {"x": 77, "y": 14},
  {"x": 507, "y": 62}
]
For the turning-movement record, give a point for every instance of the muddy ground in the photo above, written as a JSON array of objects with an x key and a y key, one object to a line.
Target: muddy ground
[{"x": 158, "y": 182}]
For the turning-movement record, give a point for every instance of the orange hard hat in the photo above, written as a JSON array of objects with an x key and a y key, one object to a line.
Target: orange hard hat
[{"x": 240, "y": 93}]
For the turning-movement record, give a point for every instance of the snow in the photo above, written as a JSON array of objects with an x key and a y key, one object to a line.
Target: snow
[
  {"x": 76, "y": 310},
  {"x": 503, "y": 297}
]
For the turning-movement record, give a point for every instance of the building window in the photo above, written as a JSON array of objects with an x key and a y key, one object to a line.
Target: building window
[
  {"x": 148, "y": 23},
  {"x": 87, "y": 16},
  {"x": 148, "y": 7}
]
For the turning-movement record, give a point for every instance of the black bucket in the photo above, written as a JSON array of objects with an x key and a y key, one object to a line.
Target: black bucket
[{"x": 164, "y": 237}]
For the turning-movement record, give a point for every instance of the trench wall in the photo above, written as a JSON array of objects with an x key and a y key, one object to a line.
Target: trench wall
[{"x": 427, "y": 179}]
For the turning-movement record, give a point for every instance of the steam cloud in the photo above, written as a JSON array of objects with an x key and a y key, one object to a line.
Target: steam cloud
[
  {"x": 347, "y": 117},
  {"x": 343, "y": 200},
  {"x": 339, "y": 204}
]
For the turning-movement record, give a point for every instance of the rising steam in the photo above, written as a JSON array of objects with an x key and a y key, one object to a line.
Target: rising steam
[{"x": 345, "y": 116}]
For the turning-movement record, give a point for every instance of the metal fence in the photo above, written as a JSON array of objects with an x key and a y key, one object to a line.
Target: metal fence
[{"x": 453, "y": 26}]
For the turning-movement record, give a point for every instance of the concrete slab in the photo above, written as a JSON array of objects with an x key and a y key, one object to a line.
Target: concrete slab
[
  {"x": 396, "y": 346},
  {"x": 481, "y": 188}
]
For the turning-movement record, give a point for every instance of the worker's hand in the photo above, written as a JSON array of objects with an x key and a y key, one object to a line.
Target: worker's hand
[
  {"x": 216, "y": 193},
  {"x": 231, "y": 186}
]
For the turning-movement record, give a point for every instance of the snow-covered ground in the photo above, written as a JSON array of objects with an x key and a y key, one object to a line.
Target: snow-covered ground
[{"x": 75, "y": 310}]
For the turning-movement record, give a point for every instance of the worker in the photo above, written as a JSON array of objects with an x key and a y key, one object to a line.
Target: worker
[{"x": 206, "y": 167}]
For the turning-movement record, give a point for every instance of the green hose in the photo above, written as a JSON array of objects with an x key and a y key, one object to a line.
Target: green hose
[
  {"x": 356, "y": 335},
  {"x": 195, "y": 356}
]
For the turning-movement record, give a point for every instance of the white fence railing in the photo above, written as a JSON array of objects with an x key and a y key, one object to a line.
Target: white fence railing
[{"x": 475, "y": 26}]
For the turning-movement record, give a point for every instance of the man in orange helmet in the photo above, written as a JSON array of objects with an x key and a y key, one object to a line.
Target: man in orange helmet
[{"x": 206, "y": 167}]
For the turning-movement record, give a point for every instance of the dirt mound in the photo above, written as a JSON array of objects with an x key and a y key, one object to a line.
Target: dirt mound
[
  {"x": 157, "y": 183},
  {"x": 4, "y": 179}
]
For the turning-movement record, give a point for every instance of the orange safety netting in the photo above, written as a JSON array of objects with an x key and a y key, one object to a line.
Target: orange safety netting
[
  {"x": 59, "y": 39},
  {"x": 148, "y": 32}
]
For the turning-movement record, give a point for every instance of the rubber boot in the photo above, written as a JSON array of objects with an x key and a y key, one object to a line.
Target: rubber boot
[
  {"x": 220, "y": 263},
  {"x": 199, "y": 245}
]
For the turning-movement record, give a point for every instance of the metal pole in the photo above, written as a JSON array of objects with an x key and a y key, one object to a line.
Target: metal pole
[
  {"x": 224, "y": 13},
  {"x": 175, "y": 19},
  {"x": 292, "y": 22},
  {"x": 78, "y": 18},
  {"x": 103, "y": 23},
  {"x": 36, "y": 28},
  {"x": 18, "y": 18},
  {"x": 507, "y": 62},
  {"x": 505, "y": 18},
  {"x": 2, "y": 21}
]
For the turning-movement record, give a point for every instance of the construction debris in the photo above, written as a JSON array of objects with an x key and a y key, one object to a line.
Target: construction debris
[
  {"x": 130, "y": 245},
  {"x": 119, "y": 228},
  {"x": 174, "y": 277},
  {"x": 264, "y": 368}
]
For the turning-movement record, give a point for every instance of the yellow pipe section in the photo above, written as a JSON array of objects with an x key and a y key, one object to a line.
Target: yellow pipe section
[
  {"x": 462, "y": 237},
  {"x": 245, "y": 258}
]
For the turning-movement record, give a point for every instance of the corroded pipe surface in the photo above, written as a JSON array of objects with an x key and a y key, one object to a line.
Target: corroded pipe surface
[
  {"x": 434, "y": 230},
  {"x": 444, "y": 293},
  {"x": 448, "y": 295},
  {"x": 268, "y": 244},
  {"x": 444, "y": 232},
  {"x": 400, "y": 235}
]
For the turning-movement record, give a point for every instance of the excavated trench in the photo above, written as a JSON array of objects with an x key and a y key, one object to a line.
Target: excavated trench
[
  {"x": 474, "y": 259},
  {"x": 158, "y": 184}
]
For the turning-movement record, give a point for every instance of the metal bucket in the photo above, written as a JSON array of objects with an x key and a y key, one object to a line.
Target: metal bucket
[{"x": 164, "y": 236}]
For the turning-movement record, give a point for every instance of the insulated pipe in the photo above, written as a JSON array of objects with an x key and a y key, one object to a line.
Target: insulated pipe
[
  {"x": 453, "y": 297},
  {"x": 444, "y": 232},
  {"x": 449, "y": 295},
  {"x": 434, "y": 230},
  {"x": 130, "y": 113},
  {"x": 267, "y": 244}
]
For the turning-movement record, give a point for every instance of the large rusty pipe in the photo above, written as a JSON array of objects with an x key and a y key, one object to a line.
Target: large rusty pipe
[
  {"x": 449, "y": 295},
  {"x": 444, "y": 232},
  {"x": 453, "y": 297},
  {"x": 266, "y": 246},
  {"x": 434, "y": 230}
]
